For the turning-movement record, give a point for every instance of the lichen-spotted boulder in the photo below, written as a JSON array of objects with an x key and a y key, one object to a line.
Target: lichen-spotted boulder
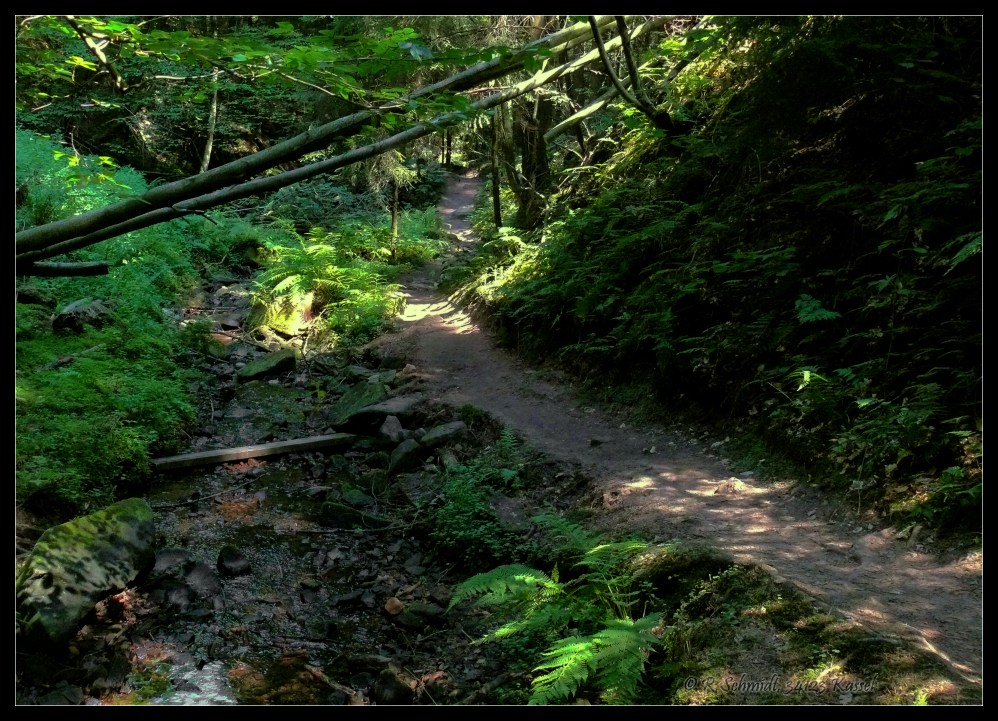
[{"x": 75, "y": 565}]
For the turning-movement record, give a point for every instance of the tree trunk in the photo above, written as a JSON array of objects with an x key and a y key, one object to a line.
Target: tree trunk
[
  {"x": 493, "y": 156},
  {"x": 395, "y": 218},
  {"x": 534, "y": 163},
  {"x": 212, "y": 118}
]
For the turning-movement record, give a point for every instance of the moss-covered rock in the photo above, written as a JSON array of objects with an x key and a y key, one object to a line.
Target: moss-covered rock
[
  {"x": 78, "y": 563},
  {"x": 358, "y": 396},
  {"x": 282, "y": 361}
]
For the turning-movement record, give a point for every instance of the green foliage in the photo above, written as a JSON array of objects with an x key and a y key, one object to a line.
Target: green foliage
[
  {"x": 338, "y": 279},
  {"x": 92, "y": 406},
  {"x": 607, "y": 649},
  {"x": 465, "y": 524},
  {"x": 615, "y": 656},
  {"x": 808, "y": 255}
]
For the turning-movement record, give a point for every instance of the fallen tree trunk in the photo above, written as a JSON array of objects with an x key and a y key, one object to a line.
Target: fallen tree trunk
[
  {"x": 168, "y": 195},
  {"x": 225, "y": 455},
  {"x": 269, "y": 184},
  {"x": 32, "y": 249}
]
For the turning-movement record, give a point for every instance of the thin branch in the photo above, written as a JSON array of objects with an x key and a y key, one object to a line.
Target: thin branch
[
  {"x": 96, "y": 267},
  {"x": 632, "y": 68},
  {"x": 311, "y": 85},
  {"x": 160, "y": 507},
  {"x": 97, "y": 49},
  {"x": 609, "y": 67}
]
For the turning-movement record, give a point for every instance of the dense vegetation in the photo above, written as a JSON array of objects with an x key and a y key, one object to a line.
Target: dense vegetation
[
  {"x": 805, "y": 263},
  {"x": 784, "y": 234},
  {"x": 773, "y": 225}
]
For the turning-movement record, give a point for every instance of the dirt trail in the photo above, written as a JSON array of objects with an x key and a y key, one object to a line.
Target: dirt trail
[{"x": 666, "y": 485}]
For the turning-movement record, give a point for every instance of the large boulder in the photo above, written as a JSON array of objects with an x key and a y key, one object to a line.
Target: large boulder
[
  {"x": 75, "y": 565},
  {"x": 360, "y": 395},
  {"x": 282, "y": 361},
  {"x": 76, "y": 316}
]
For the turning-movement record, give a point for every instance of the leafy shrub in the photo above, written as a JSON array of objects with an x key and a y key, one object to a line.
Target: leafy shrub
[
  {"x": 91, "y": 407},
  {"x": 465, "y": 524},
  {"x": 607, "y": 648}
]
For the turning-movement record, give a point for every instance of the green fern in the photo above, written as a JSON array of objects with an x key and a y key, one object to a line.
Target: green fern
[
  {"x": 513, "y": 583},
  {"x": 809, "y": 310},
  {"x": 507, "y": 440},
  {"x": 612, "y": 658}
]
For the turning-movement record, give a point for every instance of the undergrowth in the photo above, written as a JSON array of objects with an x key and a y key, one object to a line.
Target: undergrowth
[
  {"x": 778, "y": 266},
  {"x": 463, "y": 523},
  {"x": 586, "y": 621},
  {"x": 337, "y": 283}
]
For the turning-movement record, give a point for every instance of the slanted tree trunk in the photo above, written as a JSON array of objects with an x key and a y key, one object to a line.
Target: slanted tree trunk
[
  {"x": 212, "y": 119},
  {"x": 493, "y": 156},
  {"x": 395, "y": 218}
]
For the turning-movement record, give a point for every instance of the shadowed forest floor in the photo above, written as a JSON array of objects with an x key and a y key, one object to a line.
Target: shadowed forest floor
[{"x": 667, "y": 484}]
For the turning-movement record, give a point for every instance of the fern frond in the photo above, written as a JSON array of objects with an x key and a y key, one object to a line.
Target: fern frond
[
  {"x": 613, "y": 657},
  {"x": 573, "y": 537},
  {"x": 507, "y": 440},
  {"x": 571, "y": 661},
  {"x": 549, "y": 616},
  {"x": 611, "y": 555},
  {"x": 621, "y": 651},
  {"x": 505, "y": 585}
]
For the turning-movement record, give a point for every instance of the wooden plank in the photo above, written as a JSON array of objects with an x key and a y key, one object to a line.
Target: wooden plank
[{"x": 224, "y": 455}]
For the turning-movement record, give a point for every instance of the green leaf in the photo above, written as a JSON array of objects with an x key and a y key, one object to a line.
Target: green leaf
[
  {"x": 80, "y": 62},
  {"x": 810, "y": 310}
]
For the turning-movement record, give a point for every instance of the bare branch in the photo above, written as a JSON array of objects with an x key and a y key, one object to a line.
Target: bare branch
[
  {"x": 632, "y": 68},
  {"x": 98, "y": 50},
  {"x": 608, "y": 67}
]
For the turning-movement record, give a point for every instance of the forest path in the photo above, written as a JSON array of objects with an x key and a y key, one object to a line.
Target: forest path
[{"x": 668, "y": 486}]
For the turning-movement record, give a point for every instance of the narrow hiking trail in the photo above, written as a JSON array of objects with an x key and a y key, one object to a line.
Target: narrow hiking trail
[{"x": 669, "y": 486}]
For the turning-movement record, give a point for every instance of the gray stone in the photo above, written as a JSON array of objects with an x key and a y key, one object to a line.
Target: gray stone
[
  {"x": 356, "y": 372},
  {"x": 78, "y": 314},
  {"x": 418, "y": 616},
  {"x": 172, "y": 562},
  {"x": 202, "y": 580},
  {"x": 282, "y": 361},
  {"x": 400, "y": 406},
  {"x": 76, "y": 564},
  {"x": 231, "y": 562},
  {"x": 389, "y": 690},
  {"x": 405, "y": 456},
  {"x": 439, "y": 435},
  {"x": 359, "y": 396},
  {"x": 392, "y": 429}
]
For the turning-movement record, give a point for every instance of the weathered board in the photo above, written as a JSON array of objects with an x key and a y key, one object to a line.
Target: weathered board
[{"x": 224, "y": 455}]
